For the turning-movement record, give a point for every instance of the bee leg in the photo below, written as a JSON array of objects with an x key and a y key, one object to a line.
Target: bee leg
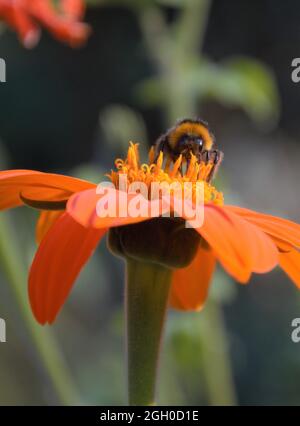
[
  {"x": 180, "y": 169},
  {"x": 188, "y": 158},
  {"x": 160, "y": 145},
  {"x": 159, "y": 148},
  {"x": 216, "y": 158},
  {"x": 205, "y": 156},
  {"x": 187, "y": 163}
]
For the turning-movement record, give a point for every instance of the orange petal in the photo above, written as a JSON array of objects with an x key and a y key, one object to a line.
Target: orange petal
[
  {"x": 263, "y": 250},
  {"x": 281, "y": 229},
  {"x": 59, "y": 259},
  {"x": 240, "y": 247},
  {"x": 190, "y": 285},
  {"x": 290, "y": 263},
  {"x": 73, "y": 8},
  {"x": 62, "y": 27},
  {"x": 44, "y": 223},
  {"x": 18, "y": 18},
  {"x": 31, "y": 198},
  {"x": 82, "y": 206},
  {"x": 223, "y": 236},
  {"x": 282, "y": 246},
  {"x": 35, "y": 184}
]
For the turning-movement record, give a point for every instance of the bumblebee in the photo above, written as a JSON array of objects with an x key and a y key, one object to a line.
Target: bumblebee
[{"x": 190, "y": 136}]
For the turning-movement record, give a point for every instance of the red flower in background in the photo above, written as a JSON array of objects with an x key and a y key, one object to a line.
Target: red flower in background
[{"x": 61, "y": 20}]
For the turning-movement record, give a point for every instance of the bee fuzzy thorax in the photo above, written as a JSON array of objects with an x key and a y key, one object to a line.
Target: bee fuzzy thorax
[
  {"x": 192, "y": 129},
  {"x": 190, "y": 137}
]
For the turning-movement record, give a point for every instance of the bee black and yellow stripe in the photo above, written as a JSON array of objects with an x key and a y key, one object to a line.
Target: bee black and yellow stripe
[{"x": 193, "y": 128}]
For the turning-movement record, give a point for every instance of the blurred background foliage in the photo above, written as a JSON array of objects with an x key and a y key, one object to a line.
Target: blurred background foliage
[{"x": 146, "y": 64}]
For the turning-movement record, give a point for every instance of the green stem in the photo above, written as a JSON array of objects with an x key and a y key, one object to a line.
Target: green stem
[
  {"x": 191, "y": 27},
  {"x": 189, "y": 36},
  {"x": 42, "y": 338},
  {"x": 147, "y": 292},
  {"x": 172, "y": 63}
]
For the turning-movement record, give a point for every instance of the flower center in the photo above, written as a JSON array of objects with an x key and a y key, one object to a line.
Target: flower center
[
  {"x": 164, "y": 170},
  {"x": 164, "y": 241}
]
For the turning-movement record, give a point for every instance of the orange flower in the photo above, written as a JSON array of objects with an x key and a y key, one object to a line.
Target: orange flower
[
  {"x": 69, "y": 229},
  {"x": 62, "y": 21}
]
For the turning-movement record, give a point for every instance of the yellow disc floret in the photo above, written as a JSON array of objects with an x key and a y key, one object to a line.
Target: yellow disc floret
[{"x": 161, "y": 170}]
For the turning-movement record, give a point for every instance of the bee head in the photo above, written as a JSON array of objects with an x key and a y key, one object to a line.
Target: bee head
[
  {"x": 190, "y": 135},
  {"x": 191, "y": 142}
]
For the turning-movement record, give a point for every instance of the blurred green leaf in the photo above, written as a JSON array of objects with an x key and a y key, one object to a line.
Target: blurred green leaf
[
  {"x": 150, "y": 91},
  {"x": 173, "y": 3},
  {"x": 238, "y": 82},
  {"x": 246, "y": 83},
  {"x": 120, "y": 125}
]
